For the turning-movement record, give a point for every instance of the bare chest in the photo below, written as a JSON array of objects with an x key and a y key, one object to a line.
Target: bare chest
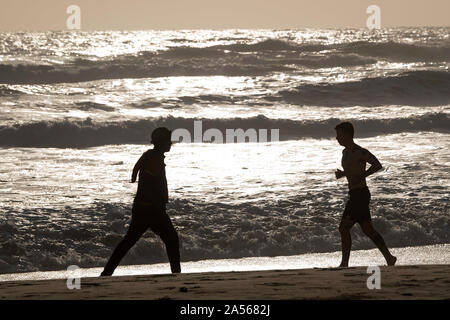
[{"x": 351, "y": 161}]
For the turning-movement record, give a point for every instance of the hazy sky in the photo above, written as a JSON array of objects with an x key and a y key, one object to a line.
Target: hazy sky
[{"x": 219, "y": 14}]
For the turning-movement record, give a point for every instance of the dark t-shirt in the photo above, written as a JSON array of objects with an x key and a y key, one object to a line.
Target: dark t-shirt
[{"x": 152, "y": 184}]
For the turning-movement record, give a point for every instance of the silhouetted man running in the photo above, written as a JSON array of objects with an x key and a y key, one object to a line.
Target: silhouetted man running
[
  {"x": 354, "y": 159},
  {"x": 149, "y": 206}
]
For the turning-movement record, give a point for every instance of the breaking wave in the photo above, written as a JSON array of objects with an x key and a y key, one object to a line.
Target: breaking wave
[
  {"x": 391, "y": 50},
  {"x": 238, "y": 59},
  {"x": 415, "y": 88},
  {"x": 396, "y": 51},
  {"x": 5, "y": 92},
  {"x": 87, "y": 236},
  {"x": 270, "y": 45},
  {"x": 86, "y": 133},
  {"x": 44, "y": 74}
]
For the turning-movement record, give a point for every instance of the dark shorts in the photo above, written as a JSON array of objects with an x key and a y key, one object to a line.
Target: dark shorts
[
  {"x": 357, "y": 206},
  {"x": 146, "y": 208},
  {"x": 146, "y": 216}
]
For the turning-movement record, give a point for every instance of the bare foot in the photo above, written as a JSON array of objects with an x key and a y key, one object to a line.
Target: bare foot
[{"x": 392, "y": 260}]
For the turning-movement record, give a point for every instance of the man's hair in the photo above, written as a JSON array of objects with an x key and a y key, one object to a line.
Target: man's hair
[
  {"x": 160, "y": 134},
  {"x": 346, "y": 127}
]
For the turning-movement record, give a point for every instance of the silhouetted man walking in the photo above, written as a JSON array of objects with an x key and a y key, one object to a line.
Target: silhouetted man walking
[
  {"x": 354, "y": 159},
  {"x": 149, "y": 206}
]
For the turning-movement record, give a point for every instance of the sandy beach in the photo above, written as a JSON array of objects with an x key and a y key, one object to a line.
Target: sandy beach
[{"x": 399, "y": 282}]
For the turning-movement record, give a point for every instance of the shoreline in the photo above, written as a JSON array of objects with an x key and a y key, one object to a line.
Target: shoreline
[
  {"x": 398, "y": 282},
  {"x": 420, "y": 255}
]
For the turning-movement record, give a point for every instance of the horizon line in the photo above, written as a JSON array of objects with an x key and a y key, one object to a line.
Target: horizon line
[{"x": 223, "y": 29}]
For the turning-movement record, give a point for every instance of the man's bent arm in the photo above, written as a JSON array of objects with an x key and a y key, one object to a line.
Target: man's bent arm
[{"x": 375, "y": 165}]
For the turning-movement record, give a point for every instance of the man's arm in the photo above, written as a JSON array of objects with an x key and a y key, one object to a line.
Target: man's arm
[
  {"x": 368, "y": 157},
  {"x": 375, "y": 165},
  {"x": 136, "y": 168},
  {"x": 151, "y": 165},
  {"x": 339, "y": 173}
]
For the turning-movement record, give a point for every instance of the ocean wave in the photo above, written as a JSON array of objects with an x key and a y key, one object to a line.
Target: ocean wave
[
  {"x": 330, "y": 61},
  {"x": 175, "y": 103},
  {"x": 90, "y": 105},
  {"x": 238, "y": 59},
  {"x": 5, "y": 92},
  {"x": 270, "y": 45},
  {"x": 45, "y": 74},
  {"x": 86, "y": 133},
  {"x": 220, "y": 60},
  {"x": 191, "y": 52},
  {"x": 396, "y": 51},
  {"x": 391, "y": 50},
  {"x": 34, "y": 240},
  {"x": 414, "y": 88}
]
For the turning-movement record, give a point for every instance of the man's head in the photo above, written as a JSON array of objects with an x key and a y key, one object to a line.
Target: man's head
[
  {"x": 344, "y": 133},
  {"x": 161, "y": 139}
]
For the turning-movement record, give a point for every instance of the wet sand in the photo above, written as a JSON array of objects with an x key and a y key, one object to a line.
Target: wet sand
[{"x": 399, "y": 282}]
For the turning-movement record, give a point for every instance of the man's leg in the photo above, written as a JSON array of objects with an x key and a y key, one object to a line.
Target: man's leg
[
  {"x": 369, "y": 231},
  {"x": 346, "y": 238},
  {"x": 135, "y": 231},
  {"x": 163, "y": 227}
]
